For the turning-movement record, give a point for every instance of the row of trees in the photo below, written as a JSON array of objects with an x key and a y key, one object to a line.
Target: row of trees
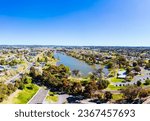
[
  {"x": 89, "y": 58},
  {"x": 11, "y": 63},
  {"x": 132, "y": 92},
  {"x": 6, "y": 90}
]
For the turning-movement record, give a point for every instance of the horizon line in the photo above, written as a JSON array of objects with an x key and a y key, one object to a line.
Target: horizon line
[{"x": 74, "y": 45}]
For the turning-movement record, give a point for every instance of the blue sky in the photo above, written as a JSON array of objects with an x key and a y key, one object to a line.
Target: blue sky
[{"x": 75, "y": 22}]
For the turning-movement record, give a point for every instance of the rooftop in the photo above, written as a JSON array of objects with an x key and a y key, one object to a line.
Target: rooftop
[{"x": 121, "y": 74}]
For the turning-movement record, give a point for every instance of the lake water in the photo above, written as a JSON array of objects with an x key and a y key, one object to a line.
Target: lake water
[{"x": 74, "y": 63}]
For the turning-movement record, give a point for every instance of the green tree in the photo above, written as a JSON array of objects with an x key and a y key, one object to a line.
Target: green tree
[
  {"x": 75, "y": 72},
  {"x": 102, "y": 84},
  {"x": 110, "y": 65},
  {"x": 128, "y": 70},
  {"x": 76, "y": 88},
  {"x": 130, "y": 93},
  {"x": 143, "y": 93},
  {"x": 90, "y": 89},
  {"x": 147, "y": 66},
  {"x": 93, "y": 77},
  {"x": 137, "y": 68},
  {"x": 21, "y": 86},
  {"x": 139, "y": 83},
  {"x": 2, "y": 97},
  {"x": 147, "y": 82},
  {"x": 107, "y": 95},
  {"x": 135, "y": 64}
]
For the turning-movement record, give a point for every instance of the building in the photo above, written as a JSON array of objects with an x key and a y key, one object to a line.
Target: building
[
  {"x": 2, "y": 68},
  {"x": 121, "y": 74}
]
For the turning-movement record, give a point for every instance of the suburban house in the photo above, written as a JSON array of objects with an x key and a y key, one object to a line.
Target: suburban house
[
  {"x": 2, "y": 68},
  {"x": 33, "y": 53},
  {"x": 10, "y": 58}
]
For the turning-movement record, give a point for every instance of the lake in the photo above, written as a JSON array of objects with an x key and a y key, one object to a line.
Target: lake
[{"x": 75, "y": 64}]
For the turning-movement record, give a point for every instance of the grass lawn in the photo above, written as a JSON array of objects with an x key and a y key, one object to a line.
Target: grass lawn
[
  {"x": 51, "y": 97},
  {"x": 112, "y": 73},
  {"x": 122, "y": 69},
  {"x": 117, "y": 96},
  {"x": 78, "y": 79},
  {"x": 112, "y": 87},
  {"x": 10, "y": 98},
  {"x": 26, "y": 94},
  {"x": 117, "y": 80}
]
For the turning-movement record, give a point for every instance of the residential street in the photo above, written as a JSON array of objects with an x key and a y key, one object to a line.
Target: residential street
[{"x": 12, "y": 80}]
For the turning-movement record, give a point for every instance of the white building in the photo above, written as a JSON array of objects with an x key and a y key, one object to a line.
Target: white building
[{"x": 121, "y": 74}]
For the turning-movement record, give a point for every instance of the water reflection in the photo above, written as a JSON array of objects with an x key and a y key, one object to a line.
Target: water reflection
[{"x": 75, "y": 64}]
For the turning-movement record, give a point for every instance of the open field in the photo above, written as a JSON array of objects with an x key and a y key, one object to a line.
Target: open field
[
  {"x": 112, "y": 87},
  {"x": 26, "y": 94},
  {"x": 117, "y": 80}
]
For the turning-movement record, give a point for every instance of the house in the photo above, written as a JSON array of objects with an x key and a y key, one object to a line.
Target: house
[
  {"x": 6, "y": 67},
  {"x": 14, "y": 67},
  {"x": 2, "y": 68},
  {"x": 10, "y": 58},
  {"x": 33, "y": 53},
  {"x": 121, "y": 74}
]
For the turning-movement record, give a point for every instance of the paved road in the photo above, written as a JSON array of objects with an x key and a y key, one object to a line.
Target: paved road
[
  {"x": 147, "y": 101},
  {"x": 39, "y": 97},
  {"x": 12, "y": 80}
]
